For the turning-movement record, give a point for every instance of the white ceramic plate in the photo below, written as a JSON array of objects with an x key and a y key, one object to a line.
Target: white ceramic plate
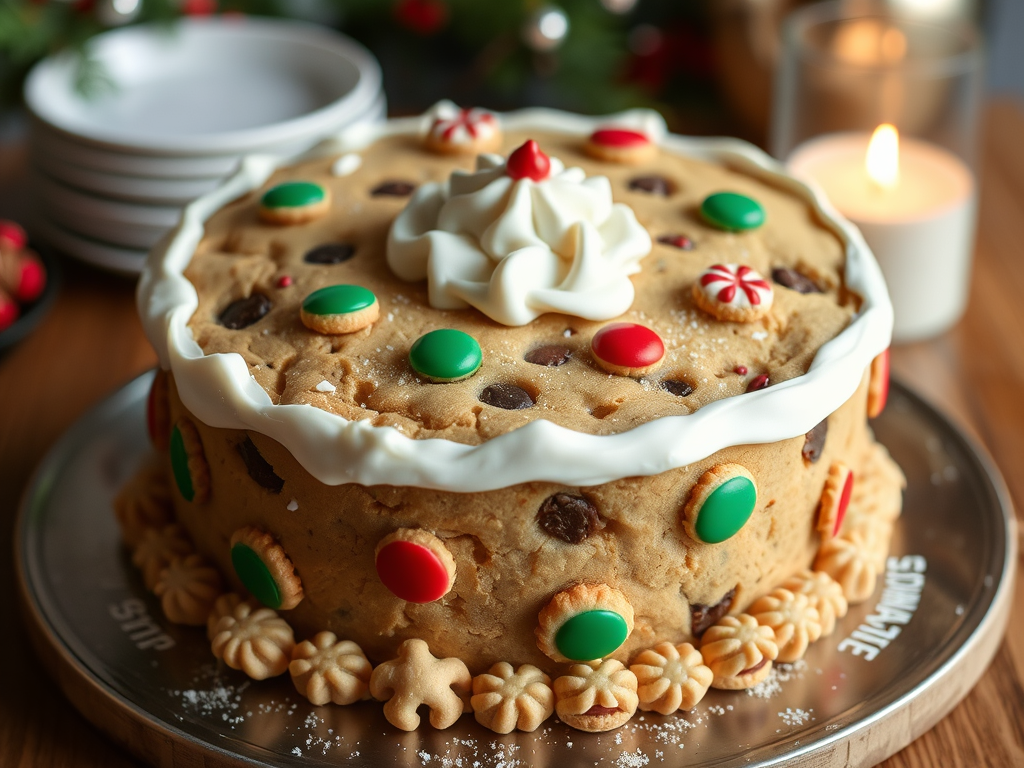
[
  {"x": 132, "y": 236},
  {"x": 124, "y": 261},
  {"x": 52, "y": 193},
  {"x": 177, "y": 192},
  {"x": 209, "y": 86}
]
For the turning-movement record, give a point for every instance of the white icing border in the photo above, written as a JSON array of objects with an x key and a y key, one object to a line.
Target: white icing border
[{"x": 219, "y": 391}]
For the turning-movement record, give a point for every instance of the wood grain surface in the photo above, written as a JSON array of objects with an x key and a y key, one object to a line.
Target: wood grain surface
[{"x": 91, "y": 343}]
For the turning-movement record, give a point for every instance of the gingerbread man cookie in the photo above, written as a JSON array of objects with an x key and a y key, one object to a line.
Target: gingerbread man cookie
[{"x": 416, "y": 678}]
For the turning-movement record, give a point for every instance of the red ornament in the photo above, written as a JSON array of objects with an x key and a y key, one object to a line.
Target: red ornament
[
  {"x": 758, "y": 382},
  {"x": 32, "y": 282},
  {"x": 199, "y": 7},
  {"x": 424, "y": 17},
  {"x": 528, "y": 162},
  {"x": 8, "y": 312},
  {"x": 284, "y": 281},
  {"x": 622, "y": 347},
  {"x": 844, "y": 502},
  {"x": 12, "y": 234},
  {"x": 412, "y": 572},
  {"x": 619, "y": 137},
  {"x": 878, "y": 385}
]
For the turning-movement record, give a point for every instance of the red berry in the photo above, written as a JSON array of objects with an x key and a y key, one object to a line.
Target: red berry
[
  {"x": 13, "y": 234},
  {"x": 32, "y": 283},
  {"x": 528, "y": 162},
  {"x": 284, "y": 281}
]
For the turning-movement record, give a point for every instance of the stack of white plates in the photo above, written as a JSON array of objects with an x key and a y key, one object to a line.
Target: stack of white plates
[{"x": 184, "y": 103}]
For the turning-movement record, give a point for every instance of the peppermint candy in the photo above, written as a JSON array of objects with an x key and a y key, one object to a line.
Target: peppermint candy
[
  {"x": 733, "y": 292},
  {"x": 467, "y": 130}
]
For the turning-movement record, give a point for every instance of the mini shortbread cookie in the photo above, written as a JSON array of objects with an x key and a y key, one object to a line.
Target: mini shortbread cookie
[
  {"x": 506, "y": 699},
  {"x": 415, "y": 565},
  {"x": 158, "y": 410},
  {"x": 847, "y": 560},
  {"x": 340, "y": 309},
  {"x": 598, "y": 696},
  {"x": 416, "y": 678},
  {"x": 188, "y": 588},
  {"x": 225, "y": 605},
  {"x": 325, "y": 669},
  {"x": 294, "y": 202},
  {"x": 156, "y": 548},
  {"x": 720, "y": 503},
  {"x": 739, "y": 652},
  {"x": 793, "y": 619},
  {"x": 733, "y": 293},
  {"x": 467, "y": 131},
  {"x": 671, "y": 677},
  {"x": 254, "y": 640},
  {"x": 263, "y": 567},
  {"x": 835, "y": 500},
  {"x": 144, "y": 502},
  {"x": 584, "y": 622},
  {"x": 188, "y": 462},
  {"x": 823, "y": 593},
  {"x": 620, "y": 145}
]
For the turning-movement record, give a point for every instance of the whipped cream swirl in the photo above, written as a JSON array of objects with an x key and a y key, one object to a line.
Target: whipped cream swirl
[{"x": 517, "y": 248}]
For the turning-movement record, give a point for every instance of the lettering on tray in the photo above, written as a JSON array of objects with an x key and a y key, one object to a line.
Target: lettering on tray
[
  {"x": 135, "y": 621},
  {"x": 904, "y": 580}
]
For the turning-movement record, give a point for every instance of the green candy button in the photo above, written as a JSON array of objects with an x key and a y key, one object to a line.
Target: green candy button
[
  {"x": 591, "y": 635},
  {"x": 292, "y": 194},
  {"x": 338, "y": 300},
  {"x": 445, "y": 355},
  {"x": 732, "y": 211},
  {"x": 726, "y": 510},
  {"x": 255, "y": 576},
  {"x": 179, "y": 465}
]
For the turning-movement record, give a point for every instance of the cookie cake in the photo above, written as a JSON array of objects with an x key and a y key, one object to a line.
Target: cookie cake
[{"x": 513, "y": 415}]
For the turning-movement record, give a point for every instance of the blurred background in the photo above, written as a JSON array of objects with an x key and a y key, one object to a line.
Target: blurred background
[{"x": 705, "y": 64}]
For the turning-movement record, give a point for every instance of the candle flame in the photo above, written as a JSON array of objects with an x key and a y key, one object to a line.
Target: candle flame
[{"x": 883, "y": 157}]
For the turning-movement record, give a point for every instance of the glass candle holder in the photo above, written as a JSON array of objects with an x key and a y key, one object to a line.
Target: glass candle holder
[{"x": 853, "y": 70}]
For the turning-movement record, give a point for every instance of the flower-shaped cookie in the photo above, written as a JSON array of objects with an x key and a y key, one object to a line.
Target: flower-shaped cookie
[
  {"x": 793, "y": 619},
  {"x": 223, "y": 606},
  {"x": 326, "y": 669},
  {"x": 157, "y": 548},
  {"x": 144, "y": 502},
  {"x": 848, "y": 560},
  {"x": 254, "y": 640},
  {"x": 824, "y": 593},
  {"x": 670, "y": 677},
  {"x": 505, "y": 699},
  {"x": 265, "y": 569},
  {"x": 739, "y": 651},
  {"x": 598, "y": 696},
  {"x": 188, "y": 588},
  {"x": 584, "y": 622},
  {"x": 415, "y": 678},
  {"x": 158, "y": 410}
]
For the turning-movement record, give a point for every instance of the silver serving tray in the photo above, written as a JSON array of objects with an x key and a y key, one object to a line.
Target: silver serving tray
[{"x": 156, "y": 688}]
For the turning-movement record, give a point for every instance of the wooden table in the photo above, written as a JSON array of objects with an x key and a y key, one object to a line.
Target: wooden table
[{"x": 92, "y": 343}]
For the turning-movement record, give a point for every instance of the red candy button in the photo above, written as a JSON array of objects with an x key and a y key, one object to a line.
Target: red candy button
[
  {"x": 528, "y": 162},
  {"x": 844, "y": 502},
  {"x": 13, "y": 234},
  {"x": 627, "y": 349},
  {"x": 619, "y": 137},
  {"x": 412, "y": 572}
]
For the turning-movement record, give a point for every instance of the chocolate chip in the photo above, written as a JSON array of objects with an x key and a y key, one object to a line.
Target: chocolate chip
[
  {"x": 655, "y": 185},
  {"x": 507, "y": 396},
  {"x": 330, "y": 253},
  {"x": 793, "y": 279},
  {"x": 244, "y": 312},
  {"x": 676, "y": 387},
  {"x": 569, "y": 518},
  {"x": 682, "y": 242},
  {"x": 258, "y": 467},
  {"x": 814, "y": 442},
  {"x": 393, "y": 189},
  {"x": 703, "y": 616},
  {"x": 550, "y": 355}
]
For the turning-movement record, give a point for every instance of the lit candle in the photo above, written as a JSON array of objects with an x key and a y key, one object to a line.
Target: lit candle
[{"x": 915, "y": 204}]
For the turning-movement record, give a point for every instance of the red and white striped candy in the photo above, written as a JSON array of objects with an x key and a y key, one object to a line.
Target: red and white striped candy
[
  {"x": 467, "y": 130},
  {"x": 733, "y": 292}
]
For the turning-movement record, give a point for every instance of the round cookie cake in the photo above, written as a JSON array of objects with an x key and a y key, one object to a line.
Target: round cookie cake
[{"x": 471, "y": 403}]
